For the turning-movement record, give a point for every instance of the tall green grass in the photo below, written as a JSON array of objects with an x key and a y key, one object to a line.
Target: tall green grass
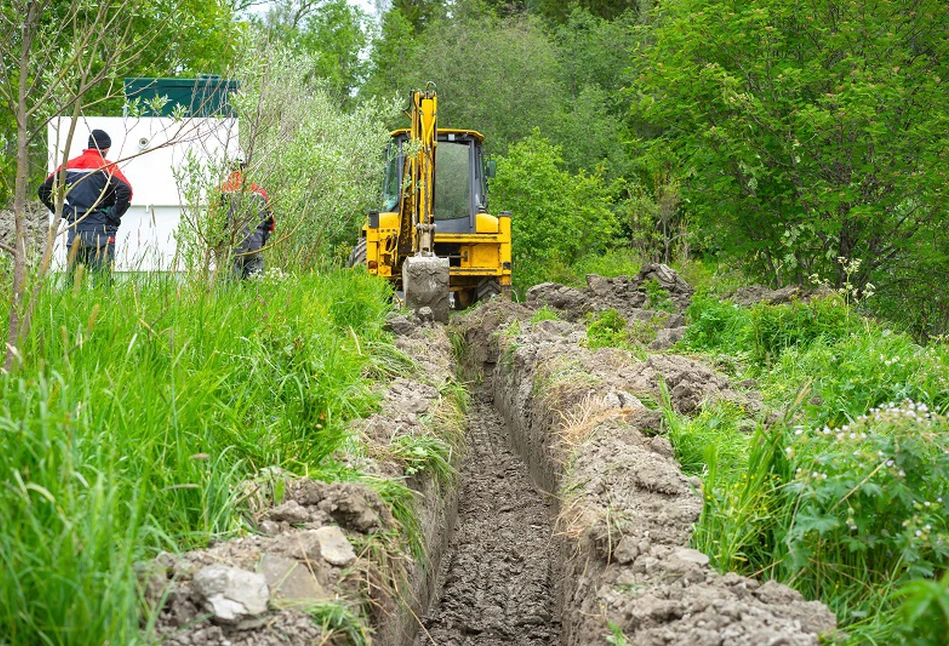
[
  {"x": 845, "y": 497},
  {"x": 138, "y": 412}
]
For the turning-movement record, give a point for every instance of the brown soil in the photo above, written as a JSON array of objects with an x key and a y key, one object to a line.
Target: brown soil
[{"x": 497, "y": 583}]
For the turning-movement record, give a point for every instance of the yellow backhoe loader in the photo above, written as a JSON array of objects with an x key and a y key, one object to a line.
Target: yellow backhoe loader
[{"x": 434, "y": 236}]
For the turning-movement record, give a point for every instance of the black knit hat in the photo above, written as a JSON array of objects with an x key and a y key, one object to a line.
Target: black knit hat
[{"x": 99, "y": 139}]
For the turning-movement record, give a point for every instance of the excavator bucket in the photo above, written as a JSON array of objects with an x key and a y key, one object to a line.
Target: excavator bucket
[{"x": 425, "y": 283}]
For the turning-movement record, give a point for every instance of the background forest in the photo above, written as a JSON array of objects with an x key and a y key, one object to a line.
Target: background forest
[{"x": 787, "y": 139}]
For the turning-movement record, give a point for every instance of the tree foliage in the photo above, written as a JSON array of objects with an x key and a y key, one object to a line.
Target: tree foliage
[
  {"x": 809, "y": 132},
  {"x": 331, "y": 32},
  {"x": 320, "y": 165},
  {"x": 558, "y": 217}
]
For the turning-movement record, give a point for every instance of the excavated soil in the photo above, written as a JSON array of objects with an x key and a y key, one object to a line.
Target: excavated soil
[
  {"x": 497, "y": 583},
  {"x": 587, "y": 423},
  {"x": 569, "y": 518}
]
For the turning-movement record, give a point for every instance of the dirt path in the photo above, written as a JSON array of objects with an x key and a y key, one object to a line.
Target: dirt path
[{"x": 496, "y": 585}]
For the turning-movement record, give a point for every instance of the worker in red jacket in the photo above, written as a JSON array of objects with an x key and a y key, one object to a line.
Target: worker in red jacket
[
  {"x": 96, "y": 196},
  {"x": 250, "y": 220}
]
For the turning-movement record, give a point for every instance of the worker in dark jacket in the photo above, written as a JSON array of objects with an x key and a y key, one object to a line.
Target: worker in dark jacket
[
  {"x": 250, "y": 220},
  {"x": 97, "y": 195}
]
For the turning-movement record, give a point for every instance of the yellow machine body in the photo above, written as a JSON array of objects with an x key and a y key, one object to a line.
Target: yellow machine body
[{"x": 435, "y": 203}]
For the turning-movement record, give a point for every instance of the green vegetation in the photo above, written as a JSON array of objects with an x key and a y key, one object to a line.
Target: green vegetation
[
  {"x": 607, "y": 329},
  {"x": 844, "y": 498},
  {"x": 140, "y": 410},
  {"x": 562, "y": 217}
]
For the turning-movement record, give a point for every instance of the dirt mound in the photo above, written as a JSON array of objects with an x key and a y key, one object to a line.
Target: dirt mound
[
  {"x": 579, "y": 420},
  {"x": 751, "y": 294},
  {"x": 326, "y": 549},
  {"x": 252, "y": 590},
  {"x": 632, "y": 298}
]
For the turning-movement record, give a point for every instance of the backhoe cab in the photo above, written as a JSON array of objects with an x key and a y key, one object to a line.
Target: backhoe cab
[{"x": 434, "y": 235}]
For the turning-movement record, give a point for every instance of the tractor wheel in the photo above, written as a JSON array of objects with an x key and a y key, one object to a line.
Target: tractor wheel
[
  {"x": 465, "y": 298},
  {"x": 357, "y": 256},
  {"x": 488, "y": 288}
]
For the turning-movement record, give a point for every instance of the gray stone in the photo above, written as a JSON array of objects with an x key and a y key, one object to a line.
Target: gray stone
[
  {"x": 599, "y": 285},
  {"x": 627, "y": 551},
  {"x": 291, "y": 583},
  {"x": 691, "y": 556},
  {"x": 290, "y": 512},
  {"x": 399, "y": 325},
  {"x": 335, "y": 548},
  {"x": 231, "y": 594},
  {"x": 621, "y": 399}
]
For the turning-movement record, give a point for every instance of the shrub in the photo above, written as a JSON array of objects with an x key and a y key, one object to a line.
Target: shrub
[
  {"x": 716, "y": 325},
  {"x": 558, "y": 217},
  {"x": 778, "y": 327},
  {"x": 869, "y": 498},
  {"x": 607, "y": 329}
]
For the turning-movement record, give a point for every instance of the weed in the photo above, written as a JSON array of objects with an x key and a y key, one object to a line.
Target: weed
[
  {"x": 153, "y": 401},
  {"x": 616, "y": 636},
  {"x": 657, "y": 297},
  {"x": 607, "y": 329},
  {"x": 424, "y": 454},
  {"x": 545, "y": 314},
  {"x": 925, "y": 609},
  {"x": 336, "y": 618}
]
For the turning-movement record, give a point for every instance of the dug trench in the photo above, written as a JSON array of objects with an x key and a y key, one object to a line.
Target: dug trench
[{"x": 567, "y": 520}]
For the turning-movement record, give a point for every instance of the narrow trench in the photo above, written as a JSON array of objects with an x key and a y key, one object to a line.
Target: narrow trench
[{"x": 496, "y": 584}]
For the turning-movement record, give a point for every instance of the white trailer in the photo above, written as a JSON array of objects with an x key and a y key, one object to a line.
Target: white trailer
[{"x": 152, "y": 153}]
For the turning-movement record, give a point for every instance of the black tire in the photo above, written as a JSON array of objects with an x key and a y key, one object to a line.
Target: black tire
[
  {"x": 488, "y": 288},
  {"x": 357, "y": 257}
]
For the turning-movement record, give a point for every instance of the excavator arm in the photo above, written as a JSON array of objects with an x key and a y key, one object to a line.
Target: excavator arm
[{"x": 425, "y": 276}]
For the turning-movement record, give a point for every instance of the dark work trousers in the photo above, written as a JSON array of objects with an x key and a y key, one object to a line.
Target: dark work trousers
[
  {"x": 248, "y": 259},
  {"x": 94, "y": 251}
]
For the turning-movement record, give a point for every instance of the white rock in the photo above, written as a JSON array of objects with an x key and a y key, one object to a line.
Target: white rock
[
  {"x": 231, "y": 594},
  {"x": 335, "y": 548}
]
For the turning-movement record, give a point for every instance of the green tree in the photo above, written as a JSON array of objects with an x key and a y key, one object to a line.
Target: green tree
[
  {"x": 420, "y": 13},
  {"x": 391, "y": 57},
  {"x": 331, "y": 32},
  {"x": 558, "y": 217},
  {"x": 320, "y": 165},
  {"x": 496, "y": 76},
  {"x": 809, "y": 132}
]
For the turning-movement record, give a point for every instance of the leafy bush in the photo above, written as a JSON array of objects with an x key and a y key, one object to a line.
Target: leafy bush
[
  {"x": 657, "y": 297},
  {"x": 870, "y": 495},
  {"x": 557, "y": 217},
  {"x": 778, "y": 327},
  {"x": 925, "y": 610},
  {"x": 867, "y": 369},
  {"x": 846, "y": 502},
  {"x": 716, "y": 325},
  {"x": 320, "y": 165},
  {"x": 868, "y": 508},
  {"x": 607, "y": 329}
]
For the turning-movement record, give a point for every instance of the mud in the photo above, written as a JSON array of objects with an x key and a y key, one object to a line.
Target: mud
[
  {"x": 497, "y": 584},
  {"x": 587, "y": 424}
]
